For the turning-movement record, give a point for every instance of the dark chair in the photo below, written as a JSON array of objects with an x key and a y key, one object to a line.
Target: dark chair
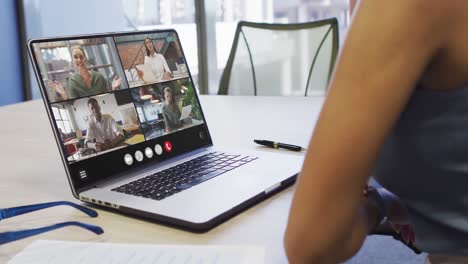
[{"x": 281, "y": 59}]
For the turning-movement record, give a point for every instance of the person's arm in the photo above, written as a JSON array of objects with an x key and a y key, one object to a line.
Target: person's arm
[
  {"x": 140, "y": 73},
  {"x": 89, "y": 141},
  {"x": 59, "y": 89},
  {"x": 116, "y": 81},
  {"x": 177, "y": 114},
  {"x": 114, "y": 142},
  {"x": 389, "y": 45},
  {"x": 118, "y": 132},
  {"x": 167, "y": 71}
]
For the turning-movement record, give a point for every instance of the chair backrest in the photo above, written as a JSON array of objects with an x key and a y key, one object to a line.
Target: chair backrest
[{"x": 281, "y": 59}]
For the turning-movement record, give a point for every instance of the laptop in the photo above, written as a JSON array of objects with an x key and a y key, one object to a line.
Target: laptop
[{"x": 169, "y": 172}]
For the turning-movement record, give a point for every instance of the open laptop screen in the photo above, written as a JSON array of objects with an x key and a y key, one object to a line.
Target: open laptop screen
[{"x": 118, "y": 101}]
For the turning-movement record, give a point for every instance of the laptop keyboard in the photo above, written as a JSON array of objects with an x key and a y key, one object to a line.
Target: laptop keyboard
[{"x": 170, "y": 181}]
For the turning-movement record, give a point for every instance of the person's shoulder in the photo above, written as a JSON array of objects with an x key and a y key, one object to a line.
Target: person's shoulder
[
  {"x": 424, "y": 11},
  {"x": 429, "y": 21},
  {"x": 436, "y": 11}
]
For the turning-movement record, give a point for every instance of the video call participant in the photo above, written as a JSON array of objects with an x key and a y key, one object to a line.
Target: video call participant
[
  {"x": 103, "y": 132},
  {"x": 171, "y": 111},
  {"x": 156, "y": 62},
  {"x": 413, "y": 76},
  {"x": 84, "y": 82}
]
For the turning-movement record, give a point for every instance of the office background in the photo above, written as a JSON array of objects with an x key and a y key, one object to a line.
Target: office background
[{"x": 203, "y": 25}]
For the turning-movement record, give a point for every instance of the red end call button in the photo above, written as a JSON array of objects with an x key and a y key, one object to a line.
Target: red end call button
[{"x": 168, "y": 146}]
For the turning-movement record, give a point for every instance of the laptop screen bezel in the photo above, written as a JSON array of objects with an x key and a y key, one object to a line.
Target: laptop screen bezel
[{"x": 48, "y": 104}]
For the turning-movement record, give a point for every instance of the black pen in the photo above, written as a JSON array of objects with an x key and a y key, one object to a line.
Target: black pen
[{"x": 278, "y": 145}]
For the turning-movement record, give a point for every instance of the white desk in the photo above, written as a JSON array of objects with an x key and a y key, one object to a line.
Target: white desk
[{"x": 32, "y": 172}]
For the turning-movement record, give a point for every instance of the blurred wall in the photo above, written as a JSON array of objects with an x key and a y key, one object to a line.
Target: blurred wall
[{"x": 11, "y": 83}]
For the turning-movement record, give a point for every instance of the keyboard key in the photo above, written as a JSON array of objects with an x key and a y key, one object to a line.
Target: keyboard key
[
  {"x": 199, "y": 180},
  {"x": 249, "y": 159},
  {"x": 237, "y": 164}
]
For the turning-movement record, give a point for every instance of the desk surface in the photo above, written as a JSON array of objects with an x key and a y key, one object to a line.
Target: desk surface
[{"x": 33, "y": 173}]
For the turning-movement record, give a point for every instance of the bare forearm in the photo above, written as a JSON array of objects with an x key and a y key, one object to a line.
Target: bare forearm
[
  {"x": 366, "y": 221},
  {"x": 300, "y": 252}
]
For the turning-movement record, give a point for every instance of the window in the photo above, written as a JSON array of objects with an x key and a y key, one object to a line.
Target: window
[
  {"x": 49, "y": 18},
  {"x": 140, "y": 114},
  {"x": 229, "y": 12},
  {"x": 63, "y": 119},
  {"x": 46, "y": 18}
]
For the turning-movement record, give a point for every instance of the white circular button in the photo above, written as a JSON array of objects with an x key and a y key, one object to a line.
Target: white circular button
[
  {"x": 128, "y": 159},
  {"x": 158, "y": 149},
  {"x": 138, "y": 156},
  {"x": 149, "y": 153}
]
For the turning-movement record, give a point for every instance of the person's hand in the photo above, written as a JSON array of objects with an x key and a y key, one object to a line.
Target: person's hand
[
  {"x": 107, "y": 144},
  {"x": 99, "y": 146},
  {"x": 59, "y": 89},
  {"x": 167, "y": 76},
  {"x": 119, "y": 138},
  {"x": 397, "y": 215},
  {"x": 139, "y": 73},
  {"x": 116, "y": 82}
]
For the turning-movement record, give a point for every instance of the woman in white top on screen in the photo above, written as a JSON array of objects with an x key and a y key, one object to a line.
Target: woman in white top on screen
[{"x": 156, "y": 62}]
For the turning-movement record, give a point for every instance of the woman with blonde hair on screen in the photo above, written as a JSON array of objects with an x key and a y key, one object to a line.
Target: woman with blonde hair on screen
[
  {"x": 396, "y": 109},
  {"x": 84, "y": 82}
]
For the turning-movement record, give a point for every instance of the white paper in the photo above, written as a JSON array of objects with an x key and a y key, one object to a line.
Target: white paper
[
  {"x": 51, "y": 251},
  {"x": 147, "y": 73},
  {"x": 186, "y": 110}
]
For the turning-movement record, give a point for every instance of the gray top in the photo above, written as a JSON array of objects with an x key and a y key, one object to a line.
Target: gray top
[
  {"x": 425, "y": 162},
  {"x": 171, "y": 118},
  {"x": 78, "y": 88}
]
